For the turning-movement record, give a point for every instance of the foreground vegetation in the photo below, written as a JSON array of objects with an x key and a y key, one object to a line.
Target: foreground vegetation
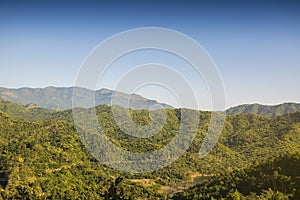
[{"x": 42, "y": 157}]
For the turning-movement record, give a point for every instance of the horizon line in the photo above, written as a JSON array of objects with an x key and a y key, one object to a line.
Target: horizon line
[{"x": 99, "y": 89}]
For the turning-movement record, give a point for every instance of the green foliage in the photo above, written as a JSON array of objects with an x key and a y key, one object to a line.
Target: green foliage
[
  {"x": 268, "y": 111},
  {"x": 42, "y": 157},
  {"x": 277, "y": 179}
]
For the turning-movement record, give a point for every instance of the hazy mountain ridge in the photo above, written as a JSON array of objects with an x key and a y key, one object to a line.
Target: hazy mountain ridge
[
  {"x": 60, "y": 98},
  {"x": 265, "y": 110}
]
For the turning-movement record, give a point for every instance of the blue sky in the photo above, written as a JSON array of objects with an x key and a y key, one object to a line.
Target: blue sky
[{"x": 255, "y": 44}]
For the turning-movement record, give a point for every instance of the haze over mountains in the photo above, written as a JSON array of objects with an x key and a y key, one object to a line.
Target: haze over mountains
[{"x": 60, "y": 98}]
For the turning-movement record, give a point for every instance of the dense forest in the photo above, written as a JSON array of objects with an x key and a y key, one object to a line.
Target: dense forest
[{"x": 43, "y": 157}]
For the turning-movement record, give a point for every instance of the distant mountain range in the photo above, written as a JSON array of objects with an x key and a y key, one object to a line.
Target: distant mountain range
[
  {"x": 60, "y": 98},
  {"x": 265, "y": 110}
]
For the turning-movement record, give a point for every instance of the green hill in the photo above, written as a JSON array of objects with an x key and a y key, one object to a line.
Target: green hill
[
  {"x": 277, "y": 179},
  {"x": 42, "y": 157},
  {"x": 268, "y": 111}
]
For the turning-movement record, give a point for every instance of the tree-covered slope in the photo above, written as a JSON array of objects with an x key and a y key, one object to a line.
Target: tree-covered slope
[
  {"x": 46, "y": 160},
  {"x": 42, "y": 157},
  {"x": 277, "y": 179},
  {"x": 269, "y": 111}
]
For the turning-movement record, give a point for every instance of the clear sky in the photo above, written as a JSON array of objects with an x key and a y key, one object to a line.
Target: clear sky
[{"x": 255, "y": 44}]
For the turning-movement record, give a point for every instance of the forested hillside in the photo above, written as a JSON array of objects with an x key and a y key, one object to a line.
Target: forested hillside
[
  {"x": 42, "y": 157},
  {"x": 268, "y": 111},
  {"x": 276, "y": 179}
]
